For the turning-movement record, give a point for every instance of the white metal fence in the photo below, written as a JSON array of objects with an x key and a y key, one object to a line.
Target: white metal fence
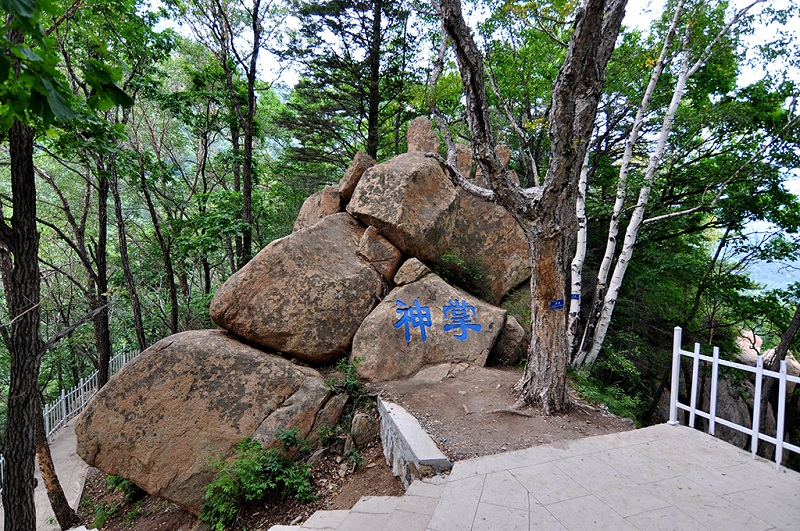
[
  {"x": 711, "y": 415},
  {"x": 72, "y": 402}
]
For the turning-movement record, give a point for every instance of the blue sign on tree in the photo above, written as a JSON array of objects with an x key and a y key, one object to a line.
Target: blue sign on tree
[
  {"x": 415, "y": 316},
  {"x": 460, "y": 315}
]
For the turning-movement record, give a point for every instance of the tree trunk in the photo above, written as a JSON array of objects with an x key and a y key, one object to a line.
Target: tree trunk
[
  {"x": 549, "y": 226},
  {"x": 576, "y": 268},
  {"x": 622, "y": 184},
  {"x": 374, "y": 79},
  {"x": 769, "y": 389},
  {"x": 606, "y": 294},
  {"x": 162, "y": 243},
  {"x": 544, "y": 382},
  {"x": 122, "y": 235},
  {"x": 102, "y": 334},
  {"x": 64, "y": 513},
  {"x": 25, "y": 345}
]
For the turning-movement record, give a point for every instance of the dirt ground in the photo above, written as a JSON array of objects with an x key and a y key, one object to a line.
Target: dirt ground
[{"x": 467, "y": 410}]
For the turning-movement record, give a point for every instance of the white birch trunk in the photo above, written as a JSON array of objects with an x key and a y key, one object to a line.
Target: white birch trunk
[
  {"x": 622, "y": 184},
  {"x": 589, "y": 352},
  {"x": 577, "y": 261}
]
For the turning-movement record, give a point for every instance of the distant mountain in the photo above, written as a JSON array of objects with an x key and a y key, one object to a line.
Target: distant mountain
[{"x": 774, "y": 275}]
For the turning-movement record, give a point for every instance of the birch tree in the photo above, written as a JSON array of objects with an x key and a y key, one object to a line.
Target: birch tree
[
  {"x": 549, "y": 227},
  {"x": 607, "y": 290}
]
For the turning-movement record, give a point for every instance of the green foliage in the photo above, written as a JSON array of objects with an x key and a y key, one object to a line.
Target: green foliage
[
  {"x": 130, "y": 489},
  {"x": 253, "y": 474},
  {"x": 465, "y": 272},
  {"x": 611, "y": 396},
  {"x": 346, "y": 380},
  {"x": 354, "y": 456},
  {"x": 103, "y": 512}
]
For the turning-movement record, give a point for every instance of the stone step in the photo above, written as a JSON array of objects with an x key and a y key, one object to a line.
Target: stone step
[
  {"x": 410, "y": 512},
  {"x": 325, "y": 519}
]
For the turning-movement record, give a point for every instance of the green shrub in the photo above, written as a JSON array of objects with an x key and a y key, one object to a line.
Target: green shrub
[
  {"x": 467, "y": 273},
  {"x": 131, "y": 490},
  {"x": 346, "y": 381},
  {"x": 612, "y": 396},
  {"x": 253, "y": 474}
]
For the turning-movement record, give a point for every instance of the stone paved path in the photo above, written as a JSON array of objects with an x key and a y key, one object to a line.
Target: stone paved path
[
  {"x": 71, "y": 472},
  {"x": 658, "y": 478}
]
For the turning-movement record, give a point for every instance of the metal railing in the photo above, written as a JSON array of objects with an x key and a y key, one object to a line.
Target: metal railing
[
  {"x": 711, "y": 415},
  {"x": 72, "y": 402}
]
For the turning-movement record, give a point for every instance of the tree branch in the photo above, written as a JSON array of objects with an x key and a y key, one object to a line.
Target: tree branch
[{"x": 61, "y": 334}]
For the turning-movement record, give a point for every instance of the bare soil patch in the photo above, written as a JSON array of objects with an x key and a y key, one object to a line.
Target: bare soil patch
[{"x": 469, "y": 412}]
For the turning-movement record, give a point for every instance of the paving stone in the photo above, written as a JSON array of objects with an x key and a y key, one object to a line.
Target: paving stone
[
  {"x": 635, "y": 465},
  {"x": 507, "y": 461},
  {"x": 628, "y": 500},
  {"x": 666, "y": 519},
  {"x": 548, "y": 483},
  {"x": 592, "y": 473},
  {"x": 406, "y": 521},
  {"x": 587, "y": 512},
  {"x": 417, "y": 504},
  {"x": 702, "y": 505},
  {"x": 325, "y": 519},
  {"x": 503, "y": 489},
  {"x": 761, "y": 503},
  {"x": 422, "y": 487},
  {"x": 460, "y": 499},
  {"x": 540, "y": 519},
  {"x": 376, "y": 504},
  {"x": 491, "y": 517},
  {"x": 363, "y": 522}
]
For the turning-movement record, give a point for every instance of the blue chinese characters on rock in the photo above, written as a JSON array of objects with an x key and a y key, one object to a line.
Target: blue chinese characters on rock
[
  {"x": 414, "y": 316},
  {"x": 458, "y": 314}
]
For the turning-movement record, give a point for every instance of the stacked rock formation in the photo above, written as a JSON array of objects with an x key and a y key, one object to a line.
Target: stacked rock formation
[{"x": 355, "y": 278}]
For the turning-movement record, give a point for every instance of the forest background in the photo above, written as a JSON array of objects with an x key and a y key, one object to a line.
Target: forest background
[{"x": 197, "y": 153}]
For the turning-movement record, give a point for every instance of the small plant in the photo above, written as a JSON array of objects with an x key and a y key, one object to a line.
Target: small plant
[
  {"x": 132, "y": 515},
  {"x": 354, "y": 456},
  {"x": 347, "y": 381},
  {"x": 252, "y": 475},
  {"x": 612, "y": 396},
  {"x": 326, "y": 434},
  {"x": 467, "y": 272},
  {"x": 131, "y": 490},
  {"x": 103, "y": 512}
]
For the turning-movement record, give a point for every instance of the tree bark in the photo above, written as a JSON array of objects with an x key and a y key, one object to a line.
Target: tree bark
[
  {"x": 165, "y": 251},
  {"x": 25, "y": 344},
  {"x": 576, "y": 268},
  {"x": 549, "y": 227},
  {"x": 130, "y": 281},
  {"x": 102, "y": 334},
  {"x": 65, "y": 515}
]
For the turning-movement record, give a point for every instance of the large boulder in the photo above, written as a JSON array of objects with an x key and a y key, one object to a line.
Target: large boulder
[
  {"x": 421, "y": 136},
  {"x": 318, "y": 205},
  {"x": 190, "y": 397},
  {"x": 410, "y": 201},
  {"x": 487, "y": 252},
  {"x": 377, "y": 250},
  {"x": 303, "y": 295},
  {"x": 361, "y": 162},
  {"x": 511, "y": 345},
  {"x": 421, "y": 323}
]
